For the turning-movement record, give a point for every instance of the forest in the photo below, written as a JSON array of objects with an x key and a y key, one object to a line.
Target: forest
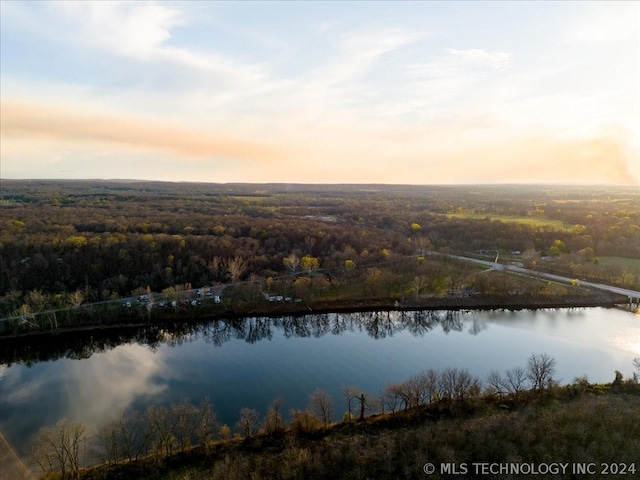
[{"x": 68, "y": 243}]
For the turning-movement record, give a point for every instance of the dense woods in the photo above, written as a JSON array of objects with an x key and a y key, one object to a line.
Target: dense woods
[{"x": 68, "y": 243}]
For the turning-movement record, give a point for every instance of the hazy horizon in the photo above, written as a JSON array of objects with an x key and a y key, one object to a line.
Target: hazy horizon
[
  {"x": 327, "y": 184},
  {"x": 400, "y": 93}
]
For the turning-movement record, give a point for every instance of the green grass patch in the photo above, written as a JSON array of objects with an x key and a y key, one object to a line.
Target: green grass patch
[
  {"x": 250, "y": 199},
  {"x": 531, "y": 221},
  {"x": 629, "y": 264}
]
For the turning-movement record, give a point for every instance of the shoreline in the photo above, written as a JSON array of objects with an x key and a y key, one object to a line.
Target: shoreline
[{"x": 494, "y": 302}]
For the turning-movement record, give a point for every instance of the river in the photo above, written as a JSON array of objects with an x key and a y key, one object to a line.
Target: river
[{"x": 250, "y": 362}]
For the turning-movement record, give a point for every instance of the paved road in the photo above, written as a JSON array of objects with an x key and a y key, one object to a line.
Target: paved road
[{"x": 548, "y": 276}]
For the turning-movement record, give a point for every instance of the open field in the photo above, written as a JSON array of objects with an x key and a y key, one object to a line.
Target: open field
[
  {"x": 535, "y": 222},
  {"x": 628, "y": 264}
]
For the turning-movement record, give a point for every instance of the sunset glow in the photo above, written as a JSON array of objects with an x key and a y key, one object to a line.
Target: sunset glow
[{"x": 335, "y": 92}]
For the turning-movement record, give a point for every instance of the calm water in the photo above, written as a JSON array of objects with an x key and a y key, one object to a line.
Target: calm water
[{"x": 251, "y": 362}]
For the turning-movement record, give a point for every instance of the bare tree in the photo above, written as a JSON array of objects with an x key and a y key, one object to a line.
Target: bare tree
[
  {"x": 135, "y": 435},
  {"x": 273, "y": 419},
  {"x": 636, "y": 364},
  {"x": 160, "y": 424},
  {"x": 412, "y": 390},
  {"x": 515, "y": 381},
  {"x": 248, "y": 420},
  {"x": 207, "y": 424},
  {"x": 465, "y": 385},
  {"x": 123, "y": 437},
  {"x": 423, "y": 387},
  {"x": 61, "y": 448},
  {"x": 424, "y": 244},
  {"x": 309, "y": 243},
  {"x": 540, "y": 371},
  {"x": 391, "y": 398},
  {"x": 185, "y": 422},
  {"x": 496, "y": 383},
  {"x": 432, "y": 386},
  {"x": 349, "y": 394},
  {"x": 458, "y": 384},
  {"x": 419, "y": 282},
  {"x": 448, "y": 382},
  {"x": 321, "y": 403},
  {"x": 406, "y": 393},
  {"x": 107, "y": 441}
]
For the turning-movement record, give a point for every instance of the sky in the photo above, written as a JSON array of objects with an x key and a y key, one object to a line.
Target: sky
[{"x": 321, "y": 92}]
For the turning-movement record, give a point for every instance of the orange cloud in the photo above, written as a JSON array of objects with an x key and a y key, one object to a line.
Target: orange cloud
[
  {"x": 19, "y": 118},
  {"x": 54, "y": 138},
  {"x": 448, "y": 155},
  {"x": 605, "y": 158}
]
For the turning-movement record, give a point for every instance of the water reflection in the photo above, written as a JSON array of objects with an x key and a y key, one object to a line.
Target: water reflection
[
  {"x": 89, "y": 386},
  {"x": 377, "y": 325},
  {"x": 251, "y": 361}
]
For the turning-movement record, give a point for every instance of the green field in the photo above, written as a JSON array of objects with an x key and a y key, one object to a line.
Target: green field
[
  {"x": 629, "y": 264},
  {"x": 531, "y": 221}
]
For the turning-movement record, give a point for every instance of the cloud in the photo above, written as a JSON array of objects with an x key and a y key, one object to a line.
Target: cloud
[
  {"x": 23, "y": 119},
  {"x": 608, "y": 157},
  {"x": 16, "y": 390},
  {"x": 604, "y": 23},
  {"x": 337, "y": 102},
  {"x": 90, "y": 395},
  {"x": 142, "y": 32},
  {"x": 357, "y": 52},
  {"x": 136, "y": 29},
  {"x": 463, "y": 149},
  {"x": 498, "y": 60}
]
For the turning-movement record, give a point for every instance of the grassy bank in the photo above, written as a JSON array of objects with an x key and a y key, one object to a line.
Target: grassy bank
[{"x": 576, "y": 424}]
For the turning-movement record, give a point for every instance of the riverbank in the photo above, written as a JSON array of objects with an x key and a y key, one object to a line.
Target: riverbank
[
  {"x": 100, "y": 319},
  {"x": 572, "y": 425}
]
